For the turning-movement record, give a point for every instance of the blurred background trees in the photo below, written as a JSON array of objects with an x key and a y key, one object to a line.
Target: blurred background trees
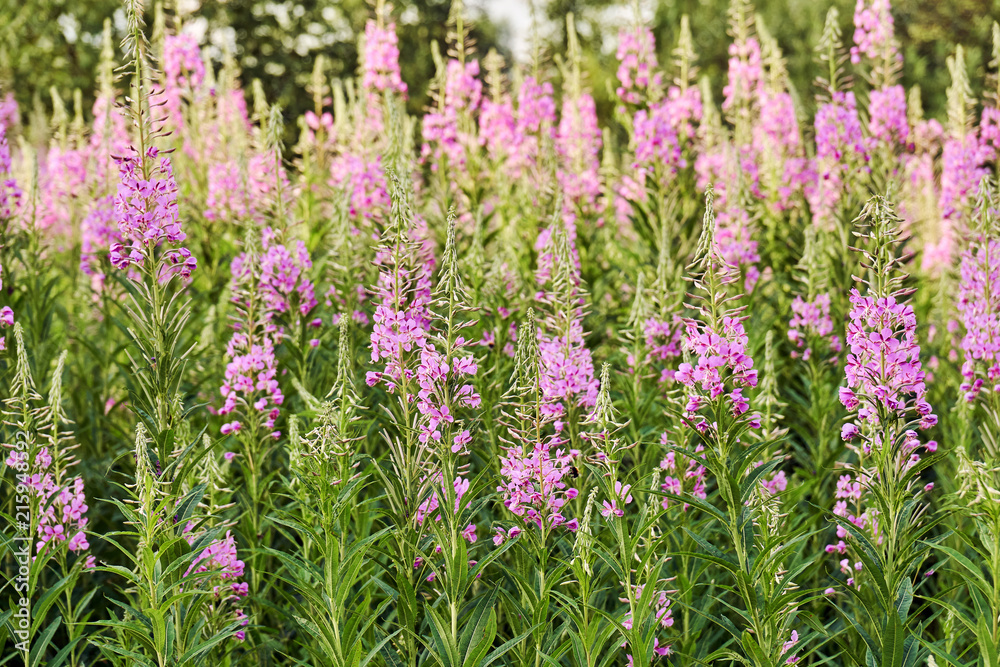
[{"x": 47, "y": 44}]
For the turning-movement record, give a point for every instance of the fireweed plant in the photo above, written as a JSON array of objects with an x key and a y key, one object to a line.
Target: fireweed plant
[{"x": 711, "y": 381}]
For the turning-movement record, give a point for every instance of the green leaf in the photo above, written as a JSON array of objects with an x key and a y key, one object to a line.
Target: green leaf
[
  {"x": 904, "y": 599},
  {"x": 187, "y": 504},
  {"x": 41, "y": 643},
  {"x": 476, "y": 626},
  {"x": 506, "y": 646},
  {"x": 893, "y": 637},
  {"x": 713, "y": 551},
  {"x": 984, "y": 636}
]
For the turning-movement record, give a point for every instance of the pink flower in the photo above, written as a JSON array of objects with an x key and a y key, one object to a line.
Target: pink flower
[
  {"x": 533, "y": 484},
  {"x": 637, "y": 71},
  {"x": 461, "y": 440},
  {"x": 883, "y": 365},
  {"x": 380, "y": 59},
  {"x": 621, "y": 494},
  {"x": 873, "y": 30},
  {"x": 811, "y": 324},
  {"x": 147, "y": 214},
  {"x": 788, "y": 646}
]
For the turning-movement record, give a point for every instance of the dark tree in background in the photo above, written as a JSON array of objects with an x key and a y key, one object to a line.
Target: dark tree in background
[
  {"x": 56, "y": 43},
  {"x": 46, "y": 43},
  {"x": 51, "y": 43},
  {"x": 278, "y": 42}
]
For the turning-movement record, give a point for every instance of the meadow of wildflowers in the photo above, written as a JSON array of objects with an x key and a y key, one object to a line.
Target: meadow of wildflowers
[{"x": 717, "y": 384}]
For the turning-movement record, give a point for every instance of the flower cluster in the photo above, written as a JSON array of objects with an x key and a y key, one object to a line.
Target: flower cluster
[
  {"x": 284, "y": 282},
  {"x": 873, "y": 29},
  {"x": 227, "y": 197},
  {"x": 6, "y": 316},
  {"x": 657, "y": 141},
  {"x": 515, "y": 138},
  {"x": 638, "y": 73},
  {"x": 888, "y": 123},
  {"x": 566, "y": 369},
  {"x": 683, "y": 475},
  {"x": 611, "y": 508},
  {"x": 63, "y": 175},
  {"x": 533, "y": 485},
  {"x": 364, "y": 179},
  {"x": 444, "y": 133},
  {"x": 664, "y": 340},
  {"x": 251, "y": 382},
  {"x": 62, "y": 502},
  {"x": 10, "y": 194},
  {"x": 183, "y": 70},
  {"x": 745, "y": 74},
  {"x": 840, "y": 152},
  {"x": 435, "y": 377},
  {"x": 433, "y": 503},
  {"x": 147, "y": 215},
  {"x": 884, "y": 374},
  {"x": 97, "y": 232},
  {"x": 380, "y": 59},
  {"x": 849, "y": 505},
  {"x": 811, "y": 323},
  {"x": 662, "y": 614},
  {"x": 578, "y": 143},
  {"x": 222, "y": 569},
  {"x": 979, "y": 306},
  {"x": 723, "y": 366},
  {"x": 788, "y": 646}
]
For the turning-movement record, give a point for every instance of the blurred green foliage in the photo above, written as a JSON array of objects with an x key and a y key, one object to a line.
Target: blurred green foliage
[{"x": 56, "y": 43}]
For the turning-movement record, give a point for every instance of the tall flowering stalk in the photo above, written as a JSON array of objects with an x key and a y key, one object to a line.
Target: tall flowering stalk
[
  {"x": 841, "y": 153},
  {"x": 450, "y": 129},
  {"x": 639, "y": 80},
  {"x": 578, "y": 141},
  {"x": 325, "y": 571},
  {"x": 62, "y": 176},
  {"x": 360, "y": 124},
  {"x": 963, "y": 162},
  {"x": 776, "y": 139},
  {"x": 663, "y": 133},
  {"x": 445, "y": 395},
  {"x": 816, "y": 340},
  {"x": 64, "y": 519},
  {"x": 718, "y": 418},
  {"x": 567, "y": 377},
  {"x": 536, "y": 487},
  {"x": 979, "y": 307},
  {"x": 10, "y": 196},
  {"x": 640, "y": 556},
  {"x": 149, "y": 223},
  {"x": 877, "y": 47},
  {"x": 49, "y": 542},
  {"x": 731, "y": 167},
  {"x": 251, "y": 393},
  {"x": 399, "y": 335},
  {"x": 168, "y": 590},
  {"x": 977, "y": 498},
  {"x": 653, "y": 341},
  {"x": 879, "y": 513},
  {"x": 516, "y": 138},
  {"x": 10, "y": 193}
]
